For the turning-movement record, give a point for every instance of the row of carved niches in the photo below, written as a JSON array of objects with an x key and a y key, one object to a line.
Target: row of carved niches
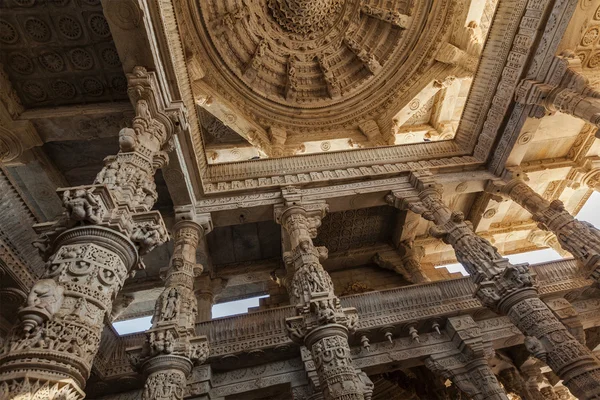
[
  {"x": 59, "y": 52},
  {"x": 276, "y": 61}
]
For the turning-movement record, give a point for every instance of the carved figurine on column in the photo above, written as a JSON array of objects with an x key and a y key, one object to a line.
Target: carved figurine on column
[
  {"x": 322, "y": 325},
  {"x": 172, "y": 348},
  {"x": 90, "y": 252},
  {"x": 507, "y": 289}
]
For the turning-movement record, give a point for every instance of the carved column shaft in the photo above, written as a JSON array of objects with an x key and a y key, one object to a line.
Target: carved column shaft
[
  {"x": 579, "y": 238},
  {"x": 172, "y": 347},
  {"x": 509, "y": 290},
  {"x": 91, "y": 251},
  {"x": 322, "y": 325}
]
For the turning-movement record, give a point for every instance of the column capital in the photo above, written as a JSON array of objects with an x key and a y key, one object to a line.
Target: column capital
[{"x": 188, "y": 213}]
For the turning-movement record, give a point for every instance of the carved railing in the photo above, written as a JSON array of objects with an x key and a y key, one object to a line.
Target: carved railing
[
  {"x": 265, "y": 330},
  {"x": 246, "y": 332}
]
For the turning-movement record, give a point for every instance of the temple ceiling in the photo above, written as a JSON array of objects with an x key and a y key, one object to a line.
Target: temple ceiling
[
  {"x": 296, "y": 77},
  {"x": 60, "y": 53}
]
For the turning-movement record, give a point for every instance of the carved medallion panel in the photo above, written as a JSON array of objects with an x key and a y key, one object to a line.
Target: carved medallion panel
[{"x": 60, "y": 52}]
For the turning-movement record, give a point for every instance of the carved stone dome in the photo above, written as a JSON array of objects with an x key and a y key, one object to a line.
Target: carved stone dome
[{"x": 338, "y": 61}]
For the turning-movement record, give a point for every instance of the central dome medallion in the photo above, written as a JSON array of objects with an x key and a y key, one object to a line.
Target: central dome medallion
[{"x": 304, "y": 17}]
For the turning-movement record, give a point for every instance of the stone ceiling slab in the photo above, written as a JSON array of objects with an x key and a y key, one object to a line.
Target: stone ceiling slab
[{"x": 60, "y": 52}]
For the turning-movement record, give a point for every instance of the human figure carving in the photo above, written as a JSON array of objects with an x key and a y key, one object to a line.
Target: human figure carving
[
  {"x": 148, "y": 235},
  {"x": 169, "y": 310},
  {"x": 46, "y": 295},
  {"x": 82, "y": 205}
]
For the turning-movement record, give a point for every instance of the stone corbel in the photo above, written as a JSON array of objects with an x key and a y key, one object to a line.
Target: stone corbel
[
  {"x": 188, "y": 213},
  {"x": 154, "y": 113},
  {"x": 452, "y": 55},
  {"x": 565, "y": 89},
  {"x": 546, "y": 239},
  {"x": 372, "y": 132},
  {"x": 586, "y": 174}
]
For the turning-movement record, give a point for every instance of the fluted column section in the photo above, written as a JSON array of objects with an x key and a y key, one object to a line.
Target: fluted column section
[
  {"x": 509, "y": 290},
  {"x": 90, "y": 252},
  {"x": 321, "y": 325},
  {"x": 579, "y": 238},
  {"x": 171, "y": 347}
]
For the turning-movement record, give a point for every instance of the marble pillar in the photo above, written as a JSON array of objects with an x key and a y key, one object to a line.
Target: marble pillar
[
  {"x": 172, "y": 348},
  {"x": 321, "y": 324},
  {"x": 508, "y": 290},
  {"x": 90, "y": 252},
  {"x": 579, "y": 238}
]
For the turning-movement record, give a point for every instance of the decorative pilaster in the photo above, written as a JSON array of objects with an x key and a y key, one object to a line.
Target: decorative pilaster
[
  {"x": 579, "y": 238},
  {"x": 171, "y": 347},
  {"x": 467, "y": 366},
  {"x": 90, "y": 252},
  {"x": 321, "y": 324},
  {"x": 507, "y": 289}
]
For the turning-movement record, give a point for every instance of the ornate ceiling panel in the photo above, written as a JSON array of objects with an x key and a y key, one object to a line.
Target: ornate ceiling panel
[
  {"x": 588, "y": 49},
  {"x": 59, "y": 52},
  {"x": 346, "y": 230},
  {"x": 216, "y": 132},
  {"x": 317, "y": 66}
]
